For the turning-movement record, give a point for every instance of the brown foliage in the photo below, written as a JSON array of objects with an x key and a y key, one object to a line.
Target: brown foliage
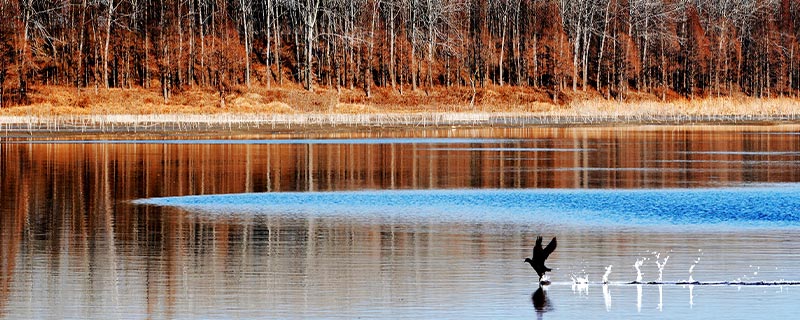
[
  {"x": 556, "y": 55},
  {"x": 464, "y": 48}
]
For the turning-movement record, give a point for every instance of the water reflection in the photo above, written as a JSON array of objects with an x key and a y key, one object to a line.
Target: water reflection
[
  {"x": 525, "y": 158},
  {"x": 72, "y": 246},
  {"x": 540, "y": 302}
]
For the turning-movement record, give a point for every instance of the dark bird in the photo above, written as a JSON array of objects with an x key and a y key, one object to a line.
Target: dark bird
[{"x": 540, "y": 255}]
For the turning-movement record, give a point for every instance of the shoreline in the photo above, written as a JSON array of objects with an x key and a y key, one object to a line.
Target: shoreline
[
  {"x": 314, "y": 122},
  {"x": 293, "y": 110}
]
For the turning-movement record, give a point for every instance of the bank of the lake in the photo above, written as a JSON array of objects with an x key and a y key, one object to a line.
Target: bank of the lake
[
  {"x": 58, "y": 109},
  {"x": 335, "y": 122}
]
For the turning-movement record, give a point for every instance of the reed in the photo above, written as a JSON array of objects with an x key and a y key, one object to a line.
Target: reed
[
  {"x": 136, "y": 110},
  {"x": 229, "y": 121}
]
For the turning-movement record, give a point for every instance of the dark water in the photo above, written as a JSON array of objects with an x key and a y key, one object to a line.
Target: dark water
[{"x": 403, "y": 224}]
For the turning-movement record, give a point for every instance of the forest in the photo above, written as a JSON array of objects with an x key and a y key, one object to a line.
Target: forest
[{"x": 666, "y": 48}]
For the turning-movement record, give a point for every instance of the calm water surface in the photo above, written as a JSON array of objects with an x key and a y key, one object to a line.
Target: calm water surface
[{"x": 403, "y": 224}]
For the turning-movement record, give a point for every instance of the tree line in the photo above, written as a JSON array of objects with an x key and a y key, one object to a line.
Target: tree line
[{"x": 661, "y": 47}]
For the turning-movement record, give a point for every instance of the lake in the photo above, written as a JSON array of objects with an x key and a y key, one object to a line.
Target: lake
[{"x": 652, "y": 221}]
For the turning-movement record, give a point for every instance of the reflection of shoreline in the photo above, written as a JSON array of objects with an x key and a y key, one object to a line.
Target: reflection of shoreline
[
  {"x": 176, "y": 170},
  {"x": 15, "y": 202},
  {"x": 10, "y": 242}
]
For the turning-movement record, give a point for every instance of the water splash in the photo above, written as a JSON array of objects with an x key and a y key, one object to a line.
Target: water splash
[
  {"x": 661, "y": 265},
  {"x": 607, "y": 297},
  {"x": 691, "y": 269},
  {"x": 638, "y": 266},
  {"x": 605, "y": 275},
  {"x": 580, "y": 284},
  {"x": 576, "y": 279}
]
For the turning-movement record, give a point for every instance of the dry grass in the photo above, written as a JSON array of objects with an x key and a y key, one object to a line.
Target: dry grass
[
  {"x": 354, "y": 108},
  {"x": 292, "y": 99},
  {"x": 727, "y": 106}
]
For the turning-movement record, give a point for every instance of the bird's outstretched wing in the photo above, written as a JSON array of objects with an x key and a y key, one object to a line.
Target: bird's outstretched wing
[
  {"x": 549, "y": 249},
  {"x": 537, "y": 249}
]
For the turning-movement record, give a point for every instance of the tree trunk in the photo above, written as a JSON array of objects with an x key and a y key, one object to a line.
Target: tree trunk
[
  {"x": 179, "y": 61},
  {"x": 268, "y": 29},
  {"x": 203, "y": 78},
  {"x": 108, "y": 40},
  {"x": 413, "y": 26},
  {"x": 602, "y": 46},
  {"x": 430, "y": 61},
  {"x": 391, "y": 47},
  {"x": 575, "y": 54},
  {"x": 586, "y": 46},
  {"x": 79, "y": 70},
  {"x": 164, "y": 60},
  {"x": 192, "y": 53},
  {"x": 368, "y": 67},
  {"x": 309, "y": 37},
  {"x": 246, "y": 30},
  {"x": 502, "y": 49},
  {"x": 535, "y": 60},
  {"x": 22, "y": 59},
  {"x": 2, "y": 80},
  {"x": 277, "y": 35}
]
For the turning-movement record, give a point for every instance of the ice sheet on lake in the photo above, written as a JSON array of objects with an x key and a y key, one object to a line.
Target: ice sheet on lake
[{"x": 771, "y": 207}]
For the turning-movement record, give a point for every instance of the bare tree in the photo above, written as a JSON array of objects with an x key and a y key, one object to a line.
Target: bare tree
[
  {"x": 246, "y": 7},
  {"x": 438, "y": 18},
  {"x": 8, "y": 12},
  {"x": 308, "y": 10},
  {"x": 110, "y": 8},
  {"x": 663, "y": 47},
  {"x": 391, "y": 11},
  {"x": 503, "y": 11}
]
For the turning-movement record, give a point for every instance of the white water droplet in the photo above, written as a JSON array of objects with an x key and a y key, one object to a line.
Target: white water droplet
[
  {"x": 691, "y": 270},
  {"x": 661, "y": 268},
  {"x": 605, "y": 275},
  {"x": 580, "y": 284},
  {"x": 638, "y": 266}
]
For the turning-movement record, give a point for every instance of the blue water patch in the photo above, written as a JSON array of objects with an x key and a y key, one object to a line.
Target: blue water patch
[{"x": 771, "y": 207}]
